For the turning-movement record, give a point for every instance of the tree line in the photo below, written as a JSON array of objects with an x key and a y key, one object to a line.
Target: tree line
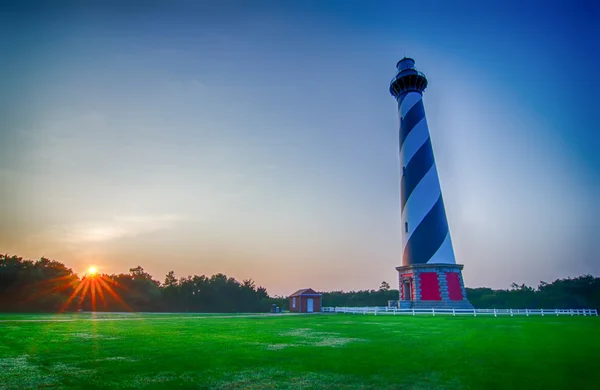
[
  {"x": 49, "y": 286},
  {"x": 582, "y": 292}
]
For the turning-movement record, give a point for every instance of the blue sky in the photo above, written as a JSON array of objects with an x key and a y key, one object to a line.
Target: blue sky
[{"x": 261, "y": 141}]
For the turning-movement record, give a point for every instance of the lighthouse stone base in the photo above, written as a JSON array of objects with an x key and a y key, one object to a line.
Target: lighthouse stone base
[{"x": 432, "y": 286}]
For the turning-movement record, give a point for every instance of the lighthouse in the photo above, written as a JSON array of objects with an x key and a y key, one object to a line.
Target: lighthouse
[{"x": 429, "y": 276}]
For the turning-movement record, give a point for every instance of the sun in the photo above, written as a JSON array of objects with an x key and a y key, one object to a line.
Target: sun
[{"x": 94, "y": 285}]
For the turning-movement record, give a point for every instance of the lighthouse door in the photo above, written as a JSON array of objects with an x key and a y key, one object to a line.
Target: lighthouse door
[
  {"x": 406, "y": 293},
  {"x": 310, "y": 306}
]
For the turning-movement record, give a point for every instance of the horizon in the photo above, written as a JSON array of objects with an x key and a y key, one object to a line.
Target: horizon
[
  {"x": 93, "y": 272},
  {"x": 260, "y": 141}
]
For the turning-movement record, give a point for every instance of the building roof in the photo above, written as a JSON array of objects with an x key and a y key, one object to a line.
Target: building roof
[{"x": 305, "y": 291}]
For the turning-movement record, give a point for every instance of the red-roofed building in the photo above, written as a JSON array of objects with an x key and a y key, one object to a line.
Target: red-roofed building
[{"x": 305, "y": 301}]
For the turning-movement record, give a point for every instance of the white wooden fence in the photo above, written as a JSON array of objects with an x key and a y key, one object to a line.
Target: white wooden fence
[{"x": 461, "y": 312}]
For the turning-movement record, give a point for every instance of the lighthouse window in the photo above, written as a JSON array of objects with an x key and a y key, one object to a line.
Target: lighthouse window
[{"x": 406, "y": 227}]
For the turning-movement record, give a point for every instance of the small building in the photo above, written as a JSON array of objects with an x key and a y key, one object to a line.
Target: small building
[{"x": 305, "y": 301}]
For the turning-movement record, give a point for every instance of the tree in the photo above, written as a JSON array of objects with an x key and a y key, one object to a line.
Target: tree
[
  {"x": 170, "y": 280},
  {"x": 385, "y": 286},
  {"x": 43, "y": 285}
]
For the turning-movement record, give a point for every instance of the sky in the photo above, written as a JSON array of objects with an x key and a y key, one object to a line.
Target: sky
[{"x": 259, "y": 139}]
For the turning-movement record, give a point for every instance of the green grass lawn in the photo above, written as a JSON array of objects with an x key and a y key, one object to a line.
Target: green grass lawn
[{"x": 298, "y": 351}]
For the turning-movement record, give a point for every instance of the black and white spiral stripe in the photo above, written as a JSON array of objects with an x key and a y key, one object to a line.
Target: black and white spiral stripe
[{"x": 425, "y": 238}]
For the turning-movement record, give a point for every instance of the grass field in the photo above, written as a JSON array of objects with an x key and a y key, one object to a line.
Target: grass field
[{"x": 297, "y": 351}]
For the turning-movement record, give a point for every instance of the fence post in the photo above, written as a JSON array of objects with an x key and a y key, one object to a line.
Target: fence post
[
  {"x": 375, "y": 312},
  {"x": 542, "y": 312},
  {"x": 433, "y": 311},
  {"x": 571, "y": 312},
  {"x": 495, "y": 313},
  {"x": 474, "y": 313},
  {"x": 557, "y": 313},
  {"x": 527, "y": 312},
  {"x": 453, "y": 312},
  {"x": 511, "y": 312},
  {"x": 413, "y": 311},
  {"x": 584, "y": 312}
]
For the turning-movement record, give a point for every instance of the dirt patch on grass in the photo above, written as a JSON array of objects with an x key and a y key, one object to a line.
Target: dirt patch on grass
[
  {"x": 117, "y": 358},
  {"x": 85, "y": 336},
  {"x": 71, "y": 370},
  {"x": 167, "y": 378},
  {"x": 20, "y": 363},
  {"x": 306, "y": 333},
  {"x": 19, "y": 373},
  {"x": 335, "y": 342},
  {"x": 300, "y": 332},
  {"x": 277, "y": 347},
  {"x": 310, "y": 337},
  {"x": 279, "y": 379}
]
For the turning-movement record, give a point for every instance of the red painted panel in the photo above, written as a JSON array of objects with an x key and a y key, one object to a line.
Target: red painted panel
[
  {"x": 454, "y": 290},
  {"x": 430, "y": 286}
]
